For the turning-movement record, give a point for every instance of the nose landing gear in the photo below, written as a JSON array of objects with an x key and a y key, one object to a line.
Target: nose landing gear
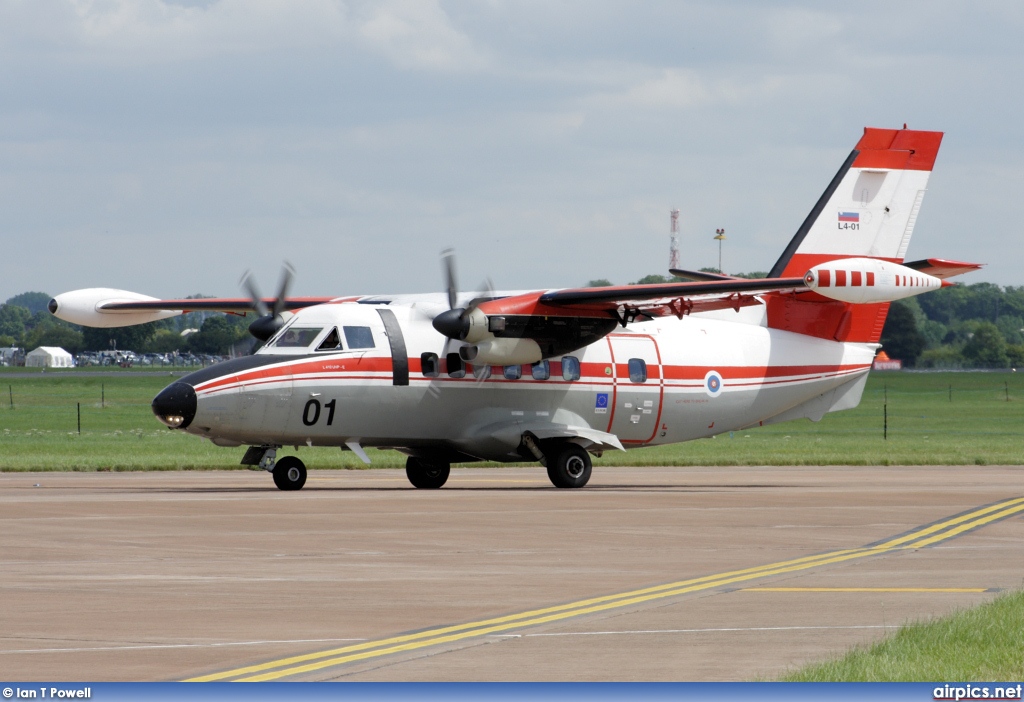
[{"x": 289, "y": 473}]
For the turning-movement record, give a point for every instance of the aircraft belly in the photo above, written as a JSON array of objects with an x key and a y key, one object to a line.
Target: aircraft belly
[{"x": 693, "y": 415}]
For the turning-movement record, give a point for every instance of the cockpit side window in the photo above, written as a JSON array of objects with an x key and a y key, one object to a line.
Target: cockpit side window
[
  {"x": 359, "y": 337},
  {"x": 331, "y": 342},
  {"x": 297, "y": 337}
]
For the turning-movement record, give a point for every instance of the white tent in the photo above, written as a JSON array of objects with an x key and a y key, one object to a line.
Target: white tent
[{"x": 49, "y": 357}]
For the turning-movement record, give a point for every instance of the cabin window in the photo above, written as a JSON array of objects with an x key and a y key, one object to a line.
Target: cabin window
[
  {"x": 481, "y": 372},
  {"x": 430, "y": 365},
  {"x": 359, "y": 337},
  {"x": 298, "y": 337},
  {"x": 637, "y": 370},
  {"x": 331, "y": 342},
  {"x": 513, "y": 372},
  {"x": 456, "y": 368},
  {"x": 541, "y": 371},
  {"x": 570, "y": 368}
]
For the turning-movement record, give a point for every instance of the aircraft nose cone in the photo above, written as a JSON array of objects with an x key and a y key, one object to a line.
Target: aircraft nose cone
[{"x": 175, "y": 406}]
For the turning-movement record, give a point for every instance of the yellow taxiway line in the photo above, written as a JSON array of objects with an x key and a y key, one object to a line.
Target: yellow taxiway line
[
  {"x": 866, "y": 589},
  {"x": 929, "y": 535}
]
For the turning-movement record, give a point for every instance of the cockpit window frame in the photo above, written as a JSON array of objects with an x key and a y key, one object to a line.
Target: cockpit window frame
[
  {"x": 332, "y": 349},
  {"x": 300, "y": 330}
]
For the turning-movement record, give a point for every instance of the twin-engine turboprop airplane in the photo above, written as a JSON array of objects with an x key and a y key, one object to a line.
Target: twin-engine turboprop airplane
[{"x": 557, "y": 375}]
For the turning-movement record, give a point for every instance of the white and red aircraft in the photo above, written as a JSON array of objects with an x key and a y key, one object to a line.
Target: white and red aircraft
[{"x": 557, "y": 375}]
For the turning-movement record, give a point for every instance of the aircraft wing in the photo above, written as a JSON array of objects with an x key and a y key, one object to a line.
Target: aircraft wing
[
  {"x": 238, "y": 305},
  {"x": 624, "y": 304},
  {"x": 106, "y": 307},
  {"x": 662, "y": 299},
  {"x": 642, "y": 294}
]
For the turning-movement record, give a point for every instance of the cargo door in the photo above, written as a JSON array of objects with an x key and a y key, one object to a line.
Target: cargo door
[{"x": 639, "y": 387}]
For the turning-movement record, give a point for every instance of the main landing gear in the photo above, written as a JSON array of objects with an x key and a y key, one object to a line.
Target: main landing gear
[
  {"x": 568, "y": 465},
  {"x": 428, "y": 475}
]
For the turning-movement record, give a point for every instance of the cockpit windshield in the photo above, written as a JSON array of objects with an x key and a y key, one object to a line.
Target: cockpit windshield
[{"x": 296, "y": 337}]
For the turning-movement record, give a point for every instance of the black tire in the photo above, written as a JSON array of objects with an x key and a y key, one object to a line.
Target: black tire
[
  {"x": 569, "y": 466},
  {"x": 427, "y": 475},
  {"x": 289, "y": 473}
]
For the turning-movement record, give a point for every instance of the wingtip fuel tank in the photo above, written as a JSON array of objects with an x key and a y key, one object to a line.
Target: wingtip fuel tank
[{"x": 866, "y": 280}]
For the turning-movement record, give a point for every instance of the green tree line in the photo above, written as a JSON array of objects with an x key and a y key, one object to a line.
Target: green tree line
[
  {"x": 25, "y": 322},
  {"x": 964, "y": 326}
]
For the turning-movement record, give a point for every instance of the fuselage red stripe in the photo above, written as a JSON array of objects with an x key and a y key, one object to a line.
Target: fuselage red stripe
[{"x": 734, "y": 377}]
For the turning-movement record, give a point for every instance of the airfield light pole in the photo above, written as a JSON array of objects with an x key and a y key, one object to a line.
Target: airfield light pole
[
  {"x": 673, "y": 249},
  {"x": 720, "y": 236}
]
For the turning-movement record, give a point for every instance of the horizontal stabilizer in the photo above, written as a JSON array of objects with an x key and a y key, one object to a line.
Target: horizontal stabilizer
[
  {"x": 941, "y": 268},
  {"x": 698, "y": 275}
]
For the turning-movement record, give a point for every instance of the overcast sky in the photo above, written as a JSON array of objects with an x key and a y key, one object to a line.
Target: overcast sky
[{"x": 167, "y": 146}]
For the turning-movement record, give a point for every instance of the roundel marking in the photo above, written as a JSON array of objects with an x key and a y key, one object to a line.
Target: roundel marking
[{"x": 713, "y": 383}]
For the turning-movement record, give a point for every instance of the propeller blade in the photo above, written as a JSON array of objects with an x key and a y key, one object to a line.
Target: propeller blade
[
  {"x": 248, "y": 282},
  {"x": 448, "y": 258},
  {"x": 287, "y": 273}
]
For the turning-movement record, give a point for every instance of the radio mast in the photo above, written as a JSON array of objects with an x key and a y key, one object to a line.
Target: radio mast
[{"x": 673, "y": 250}]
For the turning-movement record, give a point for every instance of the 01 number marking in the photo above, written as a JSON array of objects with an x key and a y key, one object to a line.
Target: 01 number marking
[{"x": 311, "y": 412}]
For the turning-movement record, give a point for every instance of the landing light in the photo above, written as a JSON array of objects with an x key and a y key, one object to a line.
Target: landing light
[{"x": 172, "y": 420}]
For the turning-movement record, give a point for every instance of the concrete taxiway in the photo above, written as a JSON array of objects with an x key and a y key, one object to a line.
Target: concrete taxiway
[{"x": 646, "y": 574}]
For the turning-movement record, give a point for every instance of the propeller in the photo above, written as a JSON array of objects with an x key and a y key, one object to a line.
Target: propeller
[
  {"x": 270, "y": 319},
  {"x": 454, "y": 323}
]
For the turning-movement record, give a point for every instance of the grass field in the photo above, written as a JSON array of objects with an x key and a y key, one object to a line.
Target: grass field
[
  {"x": 933, "y": 418},
  {"x": 979, "y": 644}
]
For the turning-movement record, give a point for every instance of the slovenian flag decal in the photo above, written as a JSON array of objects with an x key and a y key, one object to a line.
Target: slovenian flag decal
[{"x": 849, "y": 216}]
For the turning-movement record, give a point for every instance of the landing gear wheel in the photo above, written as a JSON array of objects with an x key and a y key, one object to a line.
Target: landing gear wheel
[
  {"x": 569, "y": 466},
  {"x": 427, "y": 475},
  {"x": 289, "y": 473}
]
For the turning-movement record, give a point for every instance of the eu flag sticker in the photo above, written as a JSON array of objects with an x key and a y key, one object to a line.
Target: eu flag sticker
[{"x": 601, "y": 403}]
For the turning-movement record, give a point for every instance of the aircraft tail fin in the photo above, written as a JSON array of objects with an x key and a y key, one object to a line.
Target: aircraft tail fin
[{"x": 869, "y": 209}]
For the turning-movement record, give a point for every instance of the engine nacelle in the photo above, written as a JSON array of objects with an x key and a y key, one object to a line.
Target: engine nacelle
[
  {"x": 865, "y": 280},
  {"x": 502, "y": 352},
  {"x": 85, "y": 307}
]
